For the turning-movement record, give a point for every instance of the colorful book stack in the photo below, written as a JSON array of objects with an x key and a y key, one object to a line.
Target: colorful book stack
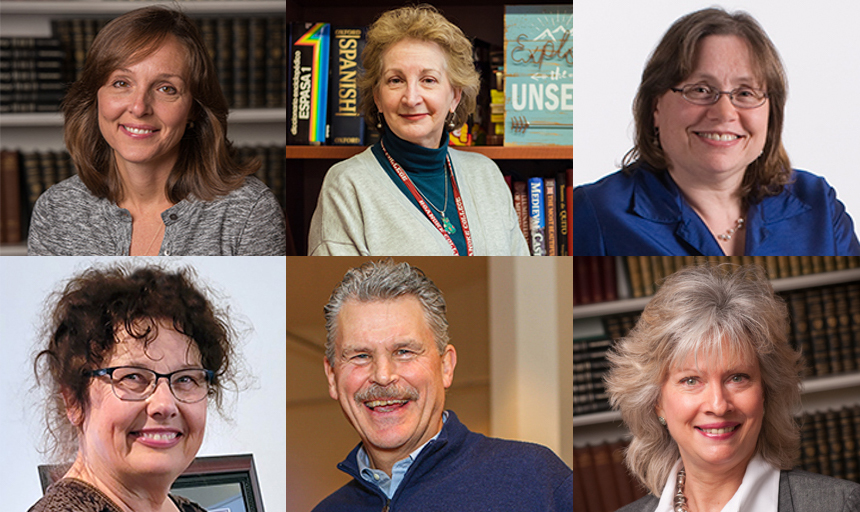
[
  {"x": 25, "y": 175},
  {"x": 32, "y": 77},
  {"x": 542, "y": 207}
]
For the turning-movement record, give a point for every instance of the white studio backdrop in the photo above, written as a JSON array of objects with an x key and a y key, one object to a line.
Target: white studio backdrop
[
  {"x": 254, "y": 290},
  {"x": 819, "y": 46}
]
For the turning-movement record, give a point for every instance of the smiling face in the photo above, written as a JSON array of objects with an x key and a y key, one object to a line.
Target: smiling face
[
  {"x": 714, "y": 412},
  {"x": 388, "y": 375},
  {"x": 704, "y": 143},
  {"x": 143, "y": 108},
  {"x": 414, "y": 93},
  {"x": 129, "y": 441}
]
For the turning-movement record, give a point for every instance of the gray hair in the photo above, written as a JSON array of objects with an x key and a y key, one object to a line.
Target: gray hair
[
  {"x": 700, "y": 310},
  {"x": 385, "y": 280}
]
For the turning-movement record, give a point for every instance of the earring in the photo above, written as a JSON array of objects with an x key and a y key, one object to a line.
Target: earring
[
  {"x": 662, "y": 420},
  {"x": 379, "y": 120},
  {"x": 190, "y": 125},
  {"x": 450, "y": 122},
  {"x": 657, "y": 136}
]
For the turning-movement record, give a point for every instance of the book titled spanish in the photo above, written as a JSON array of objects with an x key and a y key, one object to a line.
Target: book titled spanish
[
  {"x": 307, "y": 92},
  {"x": 347, "y": 123},
  {"x": 538, "y": 75}
]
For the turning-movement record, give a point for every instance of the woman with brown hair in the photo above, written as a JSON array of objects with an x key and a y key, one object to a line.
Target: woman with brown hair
[
  {"x": 146, "y": 127},
  {"x": 708, "y": 174}
]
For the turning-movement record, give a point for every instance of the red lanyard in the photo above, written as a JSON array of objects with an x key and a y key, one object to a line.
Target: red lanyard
[{"x": 458, "y": 200}]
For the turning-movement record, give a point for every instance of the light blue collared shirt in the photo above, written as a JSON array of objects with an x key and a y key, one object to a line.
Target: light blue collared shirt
[{"x": 387, "y": 484}]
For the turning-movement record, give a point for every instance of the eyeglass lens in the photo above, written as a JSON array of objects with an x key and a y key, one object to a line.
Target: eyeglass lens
[
  {"x": 744, "y": 97},
  {"x": 139, "y": 384}
]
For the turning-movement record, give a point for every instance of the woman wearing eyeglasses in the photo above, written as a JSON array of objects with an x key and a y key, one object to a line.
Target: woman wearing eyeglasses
[
  {"x": 132, "y": 363},
  {"x": 708, "y": 174}
]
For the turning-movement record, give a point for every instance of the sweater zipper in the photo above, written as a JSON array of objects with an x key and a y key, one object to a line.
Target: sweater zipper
[{"x": 387, "y": 503}]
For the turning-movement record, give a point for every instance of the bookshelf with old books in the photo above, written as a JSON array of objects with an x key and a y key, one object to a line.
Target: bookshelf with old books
[
  {"x": 479, "y": 19},
  {"x": 823, "y": 297},
  {"x": 257, "y": 119}
]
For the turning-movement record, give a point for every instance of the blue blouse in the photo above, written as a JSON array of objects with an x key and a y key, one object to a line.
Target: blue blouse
[{"x": 644, "y": 214}]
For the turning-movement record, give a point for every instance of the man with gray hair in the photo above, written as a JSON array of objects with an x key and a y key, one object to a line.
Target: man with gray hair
[{"x": 388, "y": 363}]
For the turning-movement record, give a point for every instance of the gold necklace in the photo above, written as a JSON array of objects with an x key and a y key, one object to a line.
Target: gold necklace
[{"x": 148, "y": 247}]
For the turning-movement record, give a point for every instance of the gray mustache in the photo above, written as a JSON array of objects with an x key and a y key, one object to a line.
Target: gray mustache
[{"x": 377, "y": 392}]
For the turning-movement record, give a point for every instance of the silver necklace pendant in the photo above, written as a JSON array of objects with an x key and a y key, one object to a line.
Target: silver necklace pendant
[{"x": 680, "y": 501}]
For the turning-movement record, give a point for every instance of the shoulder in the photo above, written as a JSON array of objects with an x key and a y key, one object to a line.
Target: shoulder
[
  {"x": 815, "y": 492},
  {"x": 471, "y": 165},
  {"x": 621, "y": 183},
  {"x": 70, "y": 495},
  {"x": 69, "y": 192},
  {"x": 646, "y": 504},
  {"x": 354, "y": 168},
  {"x": 515, "y": 456},
  {"x": 251, "y": 190},
  {"x": 806, "y": 183}
]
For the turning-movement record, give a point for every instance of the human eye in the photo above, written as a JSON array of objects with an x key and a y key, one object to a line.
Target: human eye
[
  {"x": 699, "y": 90},
  {"x": 689, "y": 381},
  {"x": 119, "y": 83},
  {"x": 404, "y": 353},
  {"x": 132, "y": 378},
  {"x": 739, "y": 378},
  {"x": 360, "y": 358},
  {"x": 168, "y": 89}
]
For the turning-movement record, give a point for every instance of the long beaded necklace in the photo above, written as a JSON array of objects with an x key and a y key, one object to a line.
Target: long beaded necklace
[{"x": 680, "y": 501}]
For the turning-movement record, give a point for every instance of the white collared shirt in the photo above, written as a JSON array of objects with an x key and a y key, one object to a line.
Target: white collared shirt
[{"x": 759, "y": 489}]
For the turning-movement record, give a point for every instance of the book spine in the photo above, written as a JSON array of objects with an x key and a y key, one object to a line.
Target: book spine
[
  {"x": 257, "y": 60},
  {"x": 309, "y": 61},
  {"x": 347, "y": 123},
  {"x": 521, "y": 201},
  {"x": 550, "y": 202},
  {"x": 561, "y": 211},
  {"x": 537, "y": 217}
]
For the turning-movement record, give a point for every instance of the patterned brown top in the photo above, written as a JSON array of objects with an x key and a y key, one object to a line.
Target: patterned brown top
[{"x": 71, "y": 495}]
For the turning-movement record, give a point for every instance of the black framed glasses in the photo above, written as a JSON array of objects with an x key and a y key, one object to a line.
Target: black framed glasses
[
  {"x": 134, "y": 384},
  {"x": 742, "y": 97}
]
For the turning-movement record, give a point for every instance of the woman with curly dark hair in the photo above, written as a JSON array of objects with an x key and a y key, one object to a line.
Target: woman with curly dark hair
[
  {"x": 708, "y": 174},
  {"x": 132, "y": 361}
]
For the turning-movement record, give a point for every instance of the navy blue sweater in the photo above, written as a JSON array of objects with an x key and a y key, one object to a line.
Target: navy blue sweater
[{"x": 464, "y": 472}]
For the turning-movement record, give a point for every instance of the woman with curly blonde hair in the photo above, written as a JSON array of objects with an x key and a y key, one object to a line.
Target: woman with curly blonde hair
[
  {"x": 410, "y": 193},
  {"x": 708, "y": 385}
]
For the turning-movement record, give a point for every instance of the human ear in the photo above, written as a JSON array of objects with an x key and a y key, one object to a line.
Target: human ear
[
  {"x": 332, "y": 380},
  {"x": 74, "y": 411},
  {"x": 449, "y": 362}
]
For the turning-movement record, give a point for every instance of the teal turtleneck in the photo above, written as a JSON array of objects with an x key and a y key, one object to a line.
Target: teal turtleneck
[{"x": 426, "y": 168}]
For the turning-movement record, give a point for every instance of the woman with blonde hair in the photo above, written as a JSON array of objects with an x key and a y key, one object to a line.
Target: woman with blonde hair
[
  {"x": 146, "y": 127},
  {"x": 708, "y": 385},
  {"x": 410, "y": 193}
]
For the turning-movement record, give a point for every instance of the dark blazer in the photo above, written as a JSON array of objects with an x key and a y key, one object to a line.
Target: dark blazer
[
  {"x": 645, "y": 214},
  {"x": 799, "y": 491}
]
